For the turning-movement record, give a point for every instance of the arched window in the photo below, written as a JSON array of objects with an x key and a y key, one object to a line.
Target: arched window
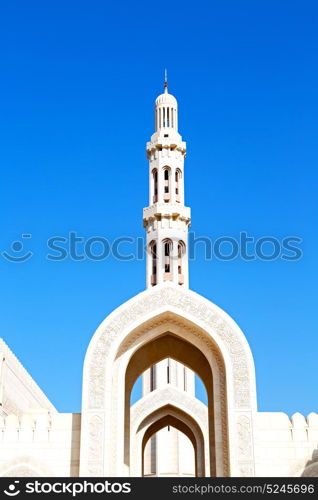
[
  {"x": 153, "y": 252},
  {"x": 177, "y": 184},
  {"x": 167, "y": 250},
  {"x": 155, "y": 185},
  {"x": 166, "y": 178},
  {"x": 181, "y": 252}
]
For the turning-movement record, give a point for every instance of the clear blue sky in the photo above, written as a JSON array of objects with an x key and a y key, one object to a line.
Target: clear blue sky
[{"x": 78, "y": 82}]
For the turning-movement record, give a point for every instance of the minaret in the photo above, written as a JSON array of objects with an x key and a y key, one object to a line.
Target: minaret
[{"x": 166, "y": 221}]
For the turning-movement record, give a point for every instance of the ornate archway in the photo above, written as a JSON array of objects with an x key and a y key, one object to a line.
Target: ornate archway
[
  {"x": 173, "y": 346},
  {"x": 191, "y": 318}
]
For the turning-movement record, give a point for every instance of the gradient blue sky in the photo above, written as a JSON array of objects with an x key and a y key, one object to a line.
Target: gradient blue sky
[{"x": 78, "y": 82}]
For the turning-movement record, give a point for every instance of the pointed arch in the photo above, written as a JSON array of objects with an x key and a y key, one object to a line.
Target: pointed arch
[
  {"x": 162, "y": 402},
  {"x": 183, "y": 424},
  {"x": 167, "y": 247}
]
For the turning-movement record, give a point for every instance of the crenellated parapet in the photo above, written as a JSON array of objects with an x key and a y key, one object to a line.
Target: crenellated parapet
[{"x": 296, "y": 428}]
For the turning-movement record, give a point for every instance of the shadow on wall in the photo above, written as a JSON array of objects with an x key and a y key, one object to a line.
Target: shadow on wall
[{"x": 311, "y": 469}]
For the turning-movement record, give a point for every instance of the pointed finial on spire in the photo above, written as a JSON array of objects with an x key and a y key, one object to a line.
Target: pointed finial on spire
[{"x": 166, "y": 82}]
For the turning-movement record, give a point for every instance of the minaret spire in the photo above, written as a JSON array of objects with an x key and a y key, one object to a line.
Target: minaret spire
[{"x": 165, "y": 85}]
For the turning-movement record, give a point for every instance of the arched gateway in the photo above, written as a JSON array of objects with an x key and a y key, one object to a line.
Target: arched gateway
[
  {"x": 167, "y": 333},
  {"x": 167, "y": 321}
]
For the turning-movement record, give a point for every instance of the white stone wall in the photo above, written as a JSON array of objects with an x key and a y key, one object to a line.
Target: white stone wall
[
  {"x": 170, "y": 452},
  {"x": 283, "y": 446},
  {"x": 40, "y": 444}
]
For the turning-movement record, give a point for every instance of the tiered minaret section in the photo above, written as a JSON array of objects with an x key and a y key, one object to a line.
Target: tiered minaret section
[{"x": 166, "y": 219}]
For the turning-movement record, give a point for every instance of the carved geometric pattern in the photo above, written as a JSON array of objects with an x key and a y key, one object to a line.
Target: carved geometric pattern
[
  {"x": 170, "y": 296},
  {"x": 151, "y": 303}
]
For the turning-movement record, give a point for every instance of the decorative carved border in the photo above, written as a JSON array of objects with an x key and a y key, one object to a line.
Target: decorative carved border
[{"x": 170, "y": 296}]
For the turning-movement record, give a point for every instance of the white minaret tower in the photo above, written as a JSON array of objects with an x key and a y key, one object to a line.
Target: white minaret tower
[{"x": 166, "y": 221}]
